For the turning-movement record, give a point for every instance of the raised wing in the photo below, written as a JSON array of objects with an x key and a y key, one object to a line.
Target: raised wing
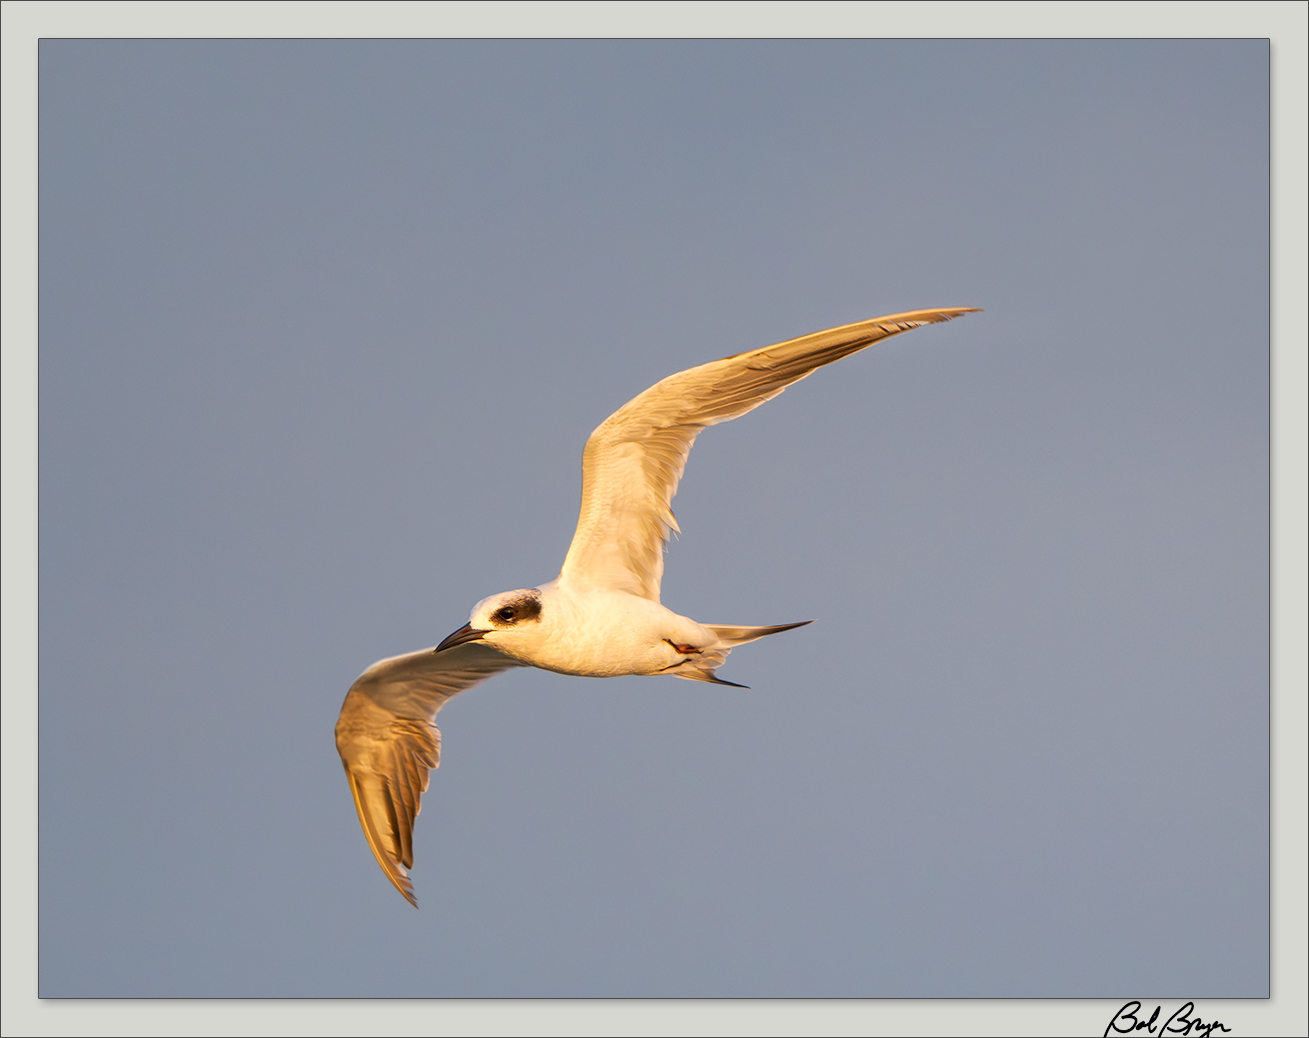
[
  {"x": 634, "y": 460},
  {"x": 389, "y": 742}
]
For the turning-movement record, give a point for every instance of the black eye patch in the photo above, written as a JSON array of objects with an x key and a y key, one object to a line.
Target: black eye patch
[{"x": 526, "y": 608}]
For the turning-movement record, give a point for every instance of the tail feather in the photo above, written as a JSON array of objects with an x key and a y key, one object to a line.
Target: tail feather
[
  {"x": 731, "y": 637},
  {"x": 701, "y": 674}
]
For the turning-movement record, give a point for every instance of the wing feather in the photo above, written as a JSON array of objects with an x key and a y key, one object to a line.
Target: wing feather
[
  {"x": 633, "y": 461},
  {"x": 389, "y": 742}
]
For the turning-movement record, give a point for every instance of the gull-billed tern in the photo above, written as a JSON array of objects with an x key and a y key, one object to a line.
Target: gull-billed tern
[{"x": 601, "y": 616}]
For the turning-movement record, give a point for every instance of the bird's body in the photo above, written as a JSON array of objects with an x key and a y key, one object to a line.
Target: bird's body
[
  {"x": 601, "y": 617},
  {"x": 600, "y": 633}
]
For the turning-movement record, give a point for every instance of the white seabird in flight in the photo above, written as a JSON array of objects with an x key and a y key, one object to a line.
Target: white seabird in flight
[{"x": 601, "y": 616}]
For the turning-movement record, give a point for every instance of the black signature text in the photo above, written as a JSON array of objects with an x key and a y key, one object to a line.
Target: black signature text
[{"x": 1128, "y": 1021}]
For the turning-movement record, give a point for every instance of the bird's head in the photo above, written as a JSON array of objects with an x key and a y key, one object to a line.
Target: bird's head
[{"x": 499, "y": 619}]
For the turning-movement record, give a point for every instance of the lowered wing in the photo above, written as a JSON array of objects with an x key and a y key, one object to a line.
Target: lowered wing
[
  {"x": 634, "y": 459},
  {"x": 389, "y": 742}
]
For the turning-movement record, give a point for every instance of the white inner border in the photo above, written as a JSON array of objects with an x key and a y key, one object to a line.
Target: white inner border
[{"x": 25, "y": 21}]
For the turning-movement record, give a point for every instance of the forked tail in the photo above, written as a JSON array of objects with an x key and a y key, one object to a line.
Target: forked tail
[{"x": 702, "y": 666}]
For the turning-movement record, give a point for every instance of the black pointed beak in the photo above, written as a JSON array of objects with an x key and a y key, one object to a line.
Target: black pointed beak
[{"x": 467, "y": 633}]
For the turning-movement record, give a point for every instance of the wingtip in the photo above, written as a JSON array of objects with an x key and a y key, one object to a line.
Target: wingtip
[
  {"x": 893, "y": 324},
  {"x": 945, "y": 313},
  {"x": 402, "y": 883},
  {"x": 399, "y": 878},
  {"x": 391, "y": 868}
]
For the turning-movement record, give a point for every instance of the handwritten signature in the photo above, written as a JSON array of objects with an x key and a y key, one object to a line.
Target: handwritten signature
[{"x": 1128, "y": 1021}]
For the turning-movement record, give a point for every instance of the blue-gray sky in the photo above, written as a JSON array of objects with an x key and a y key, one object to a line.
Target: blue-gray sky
[{"x": 324, "y": 326}]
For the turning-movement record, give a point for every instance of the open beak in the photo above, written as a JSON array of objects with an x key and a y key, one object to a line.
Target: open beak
[{"x": 467, "y": 633}]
